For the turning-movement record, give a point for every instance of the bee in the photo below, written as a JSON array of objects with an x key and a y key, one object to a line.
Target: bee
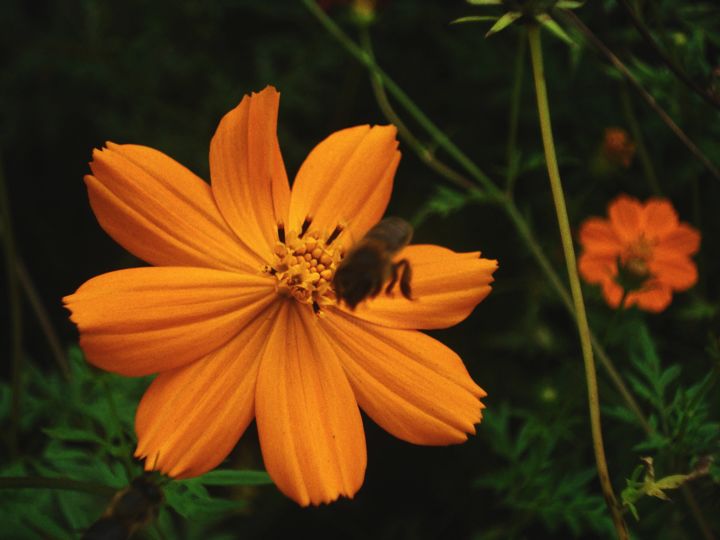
[
  {"x": 368, "y": 265},
  {"x": 130, "y": 509}
]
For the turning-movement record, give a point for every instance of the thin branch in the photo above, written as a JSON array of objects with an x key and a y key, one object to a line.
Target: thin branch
[
  {"x": 42, "y": 316},
  {"x": 618, "y": 64},
  {"x": 669, "y": 62},
  {"x": 645, "y": 161},
  {"x": 512, "y": 173},
  {"x": 420, "y": 149}
]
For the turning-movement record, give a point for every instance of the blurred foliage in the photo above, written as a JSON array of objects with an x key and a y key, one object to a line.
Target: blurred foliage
[
  {"x": 88, "y": 450},
  {"x": 80, "y": 72}
]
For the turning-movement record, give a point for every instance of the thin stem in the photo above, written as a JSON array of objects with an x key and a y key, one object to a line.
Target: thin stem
[
  {"x": 511, "y": 155},
  {"x": 645, "y": 161},
  {"x": 669, "y": 62},
  {"x": 42, "y": 316},
  {"x": 697, "y": 513},
  {"x": 616, "y": 316},
  {"x": 625, "y": 72},
  {"x": 575, "y": 289},
  {"x": 15, "y": 313},
  {"x": 507, "y": 204},
  {"x": 435, "y": 132},
  {"x": 420, "y": 149},
  {"x": 546, "y": 266}
]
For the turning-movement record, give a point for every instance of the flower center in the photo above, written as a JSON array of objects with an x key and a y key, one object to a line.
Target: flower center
[
  {"x": 636, "y": 257},
  {"x": 305, "y": 264},
  {"x": 633, "y": 271}
]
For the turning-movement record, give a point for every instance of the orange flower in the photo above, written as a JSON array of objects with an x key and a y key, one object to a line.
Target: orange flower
[
  {"x": 643, "y": 249},
  {"x": 239, "y": 318},
  {"x": 617, "y": 147}
]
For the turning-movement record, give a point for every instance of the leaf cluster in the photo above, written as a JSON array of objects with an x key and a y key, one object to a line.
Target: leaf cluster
[{"x": 82, "y": 432}]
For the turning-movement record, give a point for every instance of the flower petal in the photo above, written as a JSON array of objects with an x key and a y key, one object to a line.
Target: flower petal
[
  {"x": 598, "y": 237},
  {"x": 249, "y": 181},
  {"x": 655, "y": 298},
  {"x": 660, "y": 218},
  {"x": 309, "y": 424},
  {"x": 684, "y": 240},
  {"x": 144, "y": 320},
  {"x": 191, "y": 417},
  {"x": 677, "y": 272},
  {"x": 613, "y": 293},
  {"x": 347, "y": 180},
  {"x": 596, "y": 269},
  {"x": 626, "y": 217},
  {"x": 409, "y": 383},
  {"x": 446, "y": 287},
  {"x": 160, "y": 211}
]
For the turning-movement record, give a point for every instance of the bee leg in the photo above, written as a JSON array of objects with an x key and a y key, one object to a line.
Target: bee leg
[
  {"x": 405, "y": 278},
  {"x": 394, "y": 278}
]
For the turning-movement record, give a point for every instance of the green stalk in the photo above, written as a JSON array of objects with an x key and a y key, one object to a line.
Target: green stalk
[
  {"x": 518, "y": 75},
  {"x": 575, "y": 289},
  {"x": 42, "y": 316},
  {"x": 636, "y": 132},
  {"x": 437, "y": 134},
  {"x": 403, "y": 131},
  {"x": 15, "y": 314}
]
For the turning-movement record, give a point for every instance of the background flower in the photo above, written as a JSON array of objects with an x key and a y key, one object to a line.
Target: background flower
[{"x": 642, "y": 250}]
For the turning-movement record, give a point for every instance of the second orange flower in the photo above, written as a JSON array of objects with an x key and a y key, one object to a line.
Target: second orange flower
[{"x": 640, "y": 255}]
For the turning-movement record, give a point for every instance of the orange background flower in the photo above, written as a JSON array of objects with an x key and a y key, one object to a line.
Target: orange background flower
[
  {"x": 645, "y": 241},
  {"x": 239, "y": 322},
  {"x": 617, "y": 147}
]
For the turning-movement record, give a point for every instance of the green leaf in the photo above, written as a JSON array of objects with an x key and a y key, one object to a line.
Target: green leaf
[
  {"x": 231, "y": 477},
  {"x": 554, "y": 28},
  {"x": 668, "y": 376},
  {"x": 474, "y": 18},
  {"x": 485, "y": 2},
  {"x": 70, "y": 434},
  {"x": 569, "y": 4},
  {"x": 673, "y": 481},
  {"x": 503, "y": 22}
]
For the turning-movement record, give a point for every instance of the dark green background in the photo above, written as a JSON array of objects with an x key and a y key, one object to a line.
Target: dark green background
[{"x": 78, "y": 73}]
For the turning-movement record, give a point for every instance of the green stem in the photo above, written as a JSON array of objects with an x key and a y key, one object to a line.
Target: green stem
[
  {"x": 511, "y": 156},
  {"x": 418, "y": 147},
  {"x": 697, "y": 513},
  {"x": 575, "y": 289},
  {"x": 42, "y": 316},
  {"x": 617, "y": 316},
  {"x": 435, "y": 132},
  {"x": 645, "y": 161},
  {"x": 15, "y": 314},
  {"x": 497, "y": 197}
]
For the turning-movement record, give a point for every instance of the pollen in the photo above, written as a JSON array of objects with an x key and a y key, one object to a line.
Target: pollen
[{"x": 304, "y": 266}]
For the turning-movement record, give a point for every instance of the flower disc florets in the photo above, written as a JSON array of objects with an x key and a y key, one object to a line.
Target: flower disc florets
[{"x": 304, "y": 266}]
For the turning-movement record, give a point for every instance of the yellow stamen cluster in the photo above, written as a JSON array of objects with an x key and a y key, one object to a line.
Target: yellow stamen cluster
[
  {"x": 304, "y": 268},
  {"x": 637, "y": 257}
]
